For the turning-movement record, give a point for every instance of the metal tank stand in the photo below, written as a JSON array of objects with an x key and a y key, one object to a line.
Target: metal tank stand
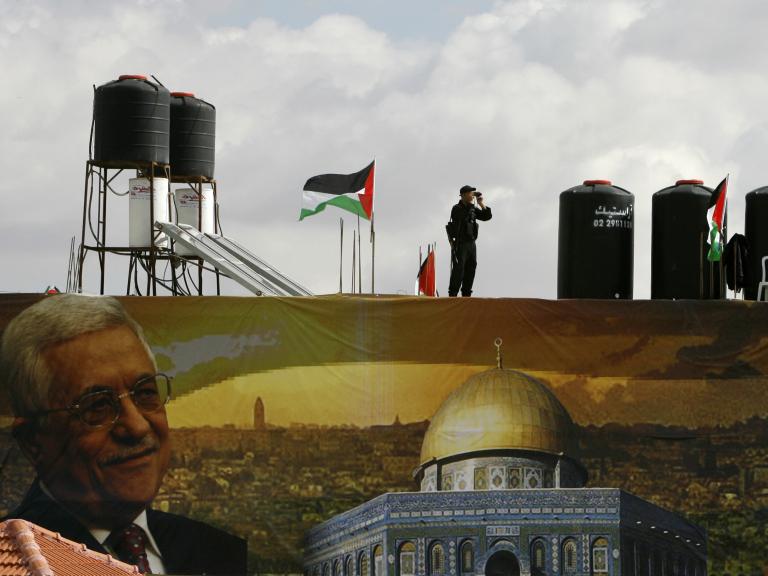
[{"x": 98, "y": 179}]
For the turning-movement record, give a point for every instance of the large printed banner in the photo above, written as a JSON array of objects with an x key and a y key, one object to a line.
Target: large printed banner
[{"x": 289, "y": 411}]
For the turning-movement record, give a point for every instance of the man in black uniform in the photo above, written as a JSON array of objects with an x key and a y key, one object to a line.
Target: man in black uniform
[{"x": 462, "y": 233}]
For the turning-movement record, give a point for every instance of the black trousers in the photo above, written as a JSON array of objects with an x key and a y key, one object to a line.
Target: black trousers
[{"x": 464, "y": 265}]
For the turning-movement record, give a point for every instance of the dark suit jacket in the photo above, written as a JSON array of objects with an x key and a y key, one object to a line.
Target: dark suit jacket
[{"x": 187, "y": 546}]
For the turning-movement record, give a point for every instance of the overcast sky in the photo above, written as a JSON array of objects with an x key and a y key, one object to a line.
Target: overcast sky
[{"x": 522, "y": 99}]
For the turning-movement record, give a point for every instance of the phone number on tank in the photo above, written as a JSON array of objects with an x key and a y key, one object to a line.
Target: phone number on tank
[{"x": 601, "y": 223}]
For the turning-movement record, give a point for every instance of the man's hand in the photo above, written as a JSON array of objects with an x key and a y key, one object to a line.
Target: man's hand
[{"x": 480, "y": 201}]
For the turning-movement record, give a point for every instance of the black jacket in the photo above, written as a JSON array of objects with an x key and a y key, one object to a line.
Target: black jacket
[
  {"x": 463, "y": 226},
  {"x": 187, "y": 546}
]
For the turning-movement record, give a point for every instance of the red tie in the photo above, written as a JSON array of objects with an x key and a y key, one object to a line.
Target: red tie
[{"x": 130, "y": 545}]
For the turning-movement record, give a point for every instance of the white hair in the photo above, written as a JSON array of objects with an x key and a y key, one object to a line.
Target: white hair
[{"x": 53, "y": 320}]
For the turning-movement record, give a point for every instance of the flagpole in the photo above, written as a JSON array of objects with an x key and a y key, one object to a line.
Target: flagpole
[
  {"x": 359, "y": 258},
  {"x": 373, "y": 231},
  {"x": 418, "y": 275},
  {"x": 341, "y": 253},
  {"x": 354, "y": 267},
  {"x": 434, "y": 256}
]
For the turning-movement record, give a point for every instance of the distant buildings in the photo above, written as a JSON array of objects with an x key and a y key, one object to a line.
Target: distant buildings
[{"x": 502, "y": 493}]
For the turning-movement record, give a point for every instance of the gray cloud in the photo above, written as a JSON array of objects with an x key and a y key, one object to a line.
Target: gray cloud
[{"x": 523, "y": 101}]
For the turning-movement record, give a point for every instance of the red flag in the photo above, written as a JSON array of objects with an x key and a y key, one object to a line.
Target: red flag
[{"x": 426, "y": 275}]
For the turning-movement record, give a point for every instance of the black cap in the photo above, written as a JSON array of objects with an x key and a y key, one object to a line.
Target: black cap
[{"x": 467, "y": 188}]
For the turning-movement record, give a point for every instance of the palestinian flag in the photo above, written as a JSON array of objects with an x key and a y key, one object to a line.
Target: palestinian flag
[
  {"x": 351, "y": 192},
  {"x": 715, "y": 217},
  {"x": 426, "y": 277}
]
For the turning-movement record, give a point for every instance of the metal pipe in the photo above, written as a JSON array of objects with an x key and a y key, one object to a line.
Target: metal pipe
[{"x": 81, "y": 255}]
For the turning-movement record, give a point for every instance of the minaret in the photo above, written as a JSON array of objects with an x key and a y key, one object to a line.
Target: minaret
[{"x": 259, "y": 421}]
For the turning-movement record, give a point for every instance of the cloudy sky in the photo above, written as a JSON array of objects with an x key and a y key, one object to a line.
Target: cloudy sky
[{"x": 523, "y": 99}]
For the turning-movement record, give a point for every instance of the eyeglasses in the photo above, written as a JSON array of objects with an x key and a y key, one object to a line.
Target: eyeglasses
[{"x": 102, "y": 408}]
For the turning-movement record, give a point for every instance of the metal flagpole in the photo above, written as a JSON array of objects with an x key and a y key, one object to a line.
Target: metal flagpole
[
  {"x": 341, "y": 253},
  {"x": 418, "y": 274},
  {"x": 373, "y": 231},
  {"x": 354, "y": 267},
  {"x": 359, "y": 259}
]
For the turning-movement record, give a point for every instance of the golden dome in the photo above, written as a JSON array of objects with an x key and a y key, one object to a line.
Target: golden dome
[{"x": 499, "y": 410}]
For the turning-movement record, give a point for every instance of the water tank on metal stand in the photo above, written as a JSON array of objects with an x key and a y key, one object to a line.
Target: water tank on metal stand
[
  {"x": 141, "y": 194},
  {"x": 679, "y": 235},
  {"x": 191, "y": 210},
  {"x": 756, "y": 231},
  {"x": 595, "y": 242},
  {"x": 193, "y": 136},
  {"x": 131, "y": 122}
]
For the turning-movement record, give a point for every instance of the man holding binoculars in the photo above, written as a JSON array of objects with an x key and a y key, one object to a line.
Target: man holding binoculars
[{"x": 462, "y": 233}]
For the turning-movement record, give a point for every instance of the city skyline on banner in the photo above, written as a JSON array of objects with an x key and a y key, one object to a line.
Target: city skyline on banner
[
  {"x": 506, "y": 96},
  {"x": 363, "y": 395}
]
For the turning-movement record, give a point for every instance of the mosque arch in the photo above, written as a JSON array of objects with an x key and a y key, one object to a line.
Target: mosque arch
[
  {"x": 436, "y": 559},
  {"x": 599, "y": 557},
  {"x": 467, "y": 557},
  {"x": 406, "y": 557},
  {"x": 349, "y": 567},
  {"x": 378, "y": 560},
  {"x": 502, "y": 562},
  {"x": 364, "y": 566},
  {"x": 538, "y": 558},
  {"x": 569, "y": 557}
]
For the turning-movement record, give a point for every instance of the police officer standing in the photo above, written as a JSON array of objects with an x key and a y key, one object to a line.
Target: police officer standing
[{"x": 462, "y": 233}]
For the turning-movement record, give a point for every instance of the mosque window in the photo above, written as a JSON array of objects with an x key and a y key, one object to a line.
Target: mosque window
[
  {"x": 326, "y": 570},
  {"x": 538, "y": 558},
  {"x": 569, "y": 557},
  {"x": 349, "y": 569},
  {"x": 498, "y": 480},
  {"x": 549, "y": 479},
  {"x": 337, "y": 568},
  {"x": 365, "y": 568},
  {"x": 447, "y": 482},
  {"x": 378, "y": 561},
  {"x": 600, "y": 556},
  {"x": 532, "y": 478},
  {"x": 407, "y": 559},
  {"x": 467, "y": 557},
  {"x": 514, "y": 478},
  {"x": 437, "y": 559},
  {"x": 430, "y": 482},
  {"x": 481, "y": 478}
]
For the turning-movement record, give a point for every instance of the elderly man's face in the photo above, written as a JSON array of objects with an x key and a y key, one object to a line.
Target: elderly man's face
[{"x": 106, "y": 475}]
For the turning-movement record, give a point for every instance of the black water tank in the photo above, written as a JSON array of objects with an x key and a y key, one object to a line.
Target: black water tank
[
  {"x": 595, "y": 242},
  {"x": 679, "y": 234},
  {"x": 756, "y": 231},
  {"x": 193, "y": 136},
  {"x": 132, "y": 122}
]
